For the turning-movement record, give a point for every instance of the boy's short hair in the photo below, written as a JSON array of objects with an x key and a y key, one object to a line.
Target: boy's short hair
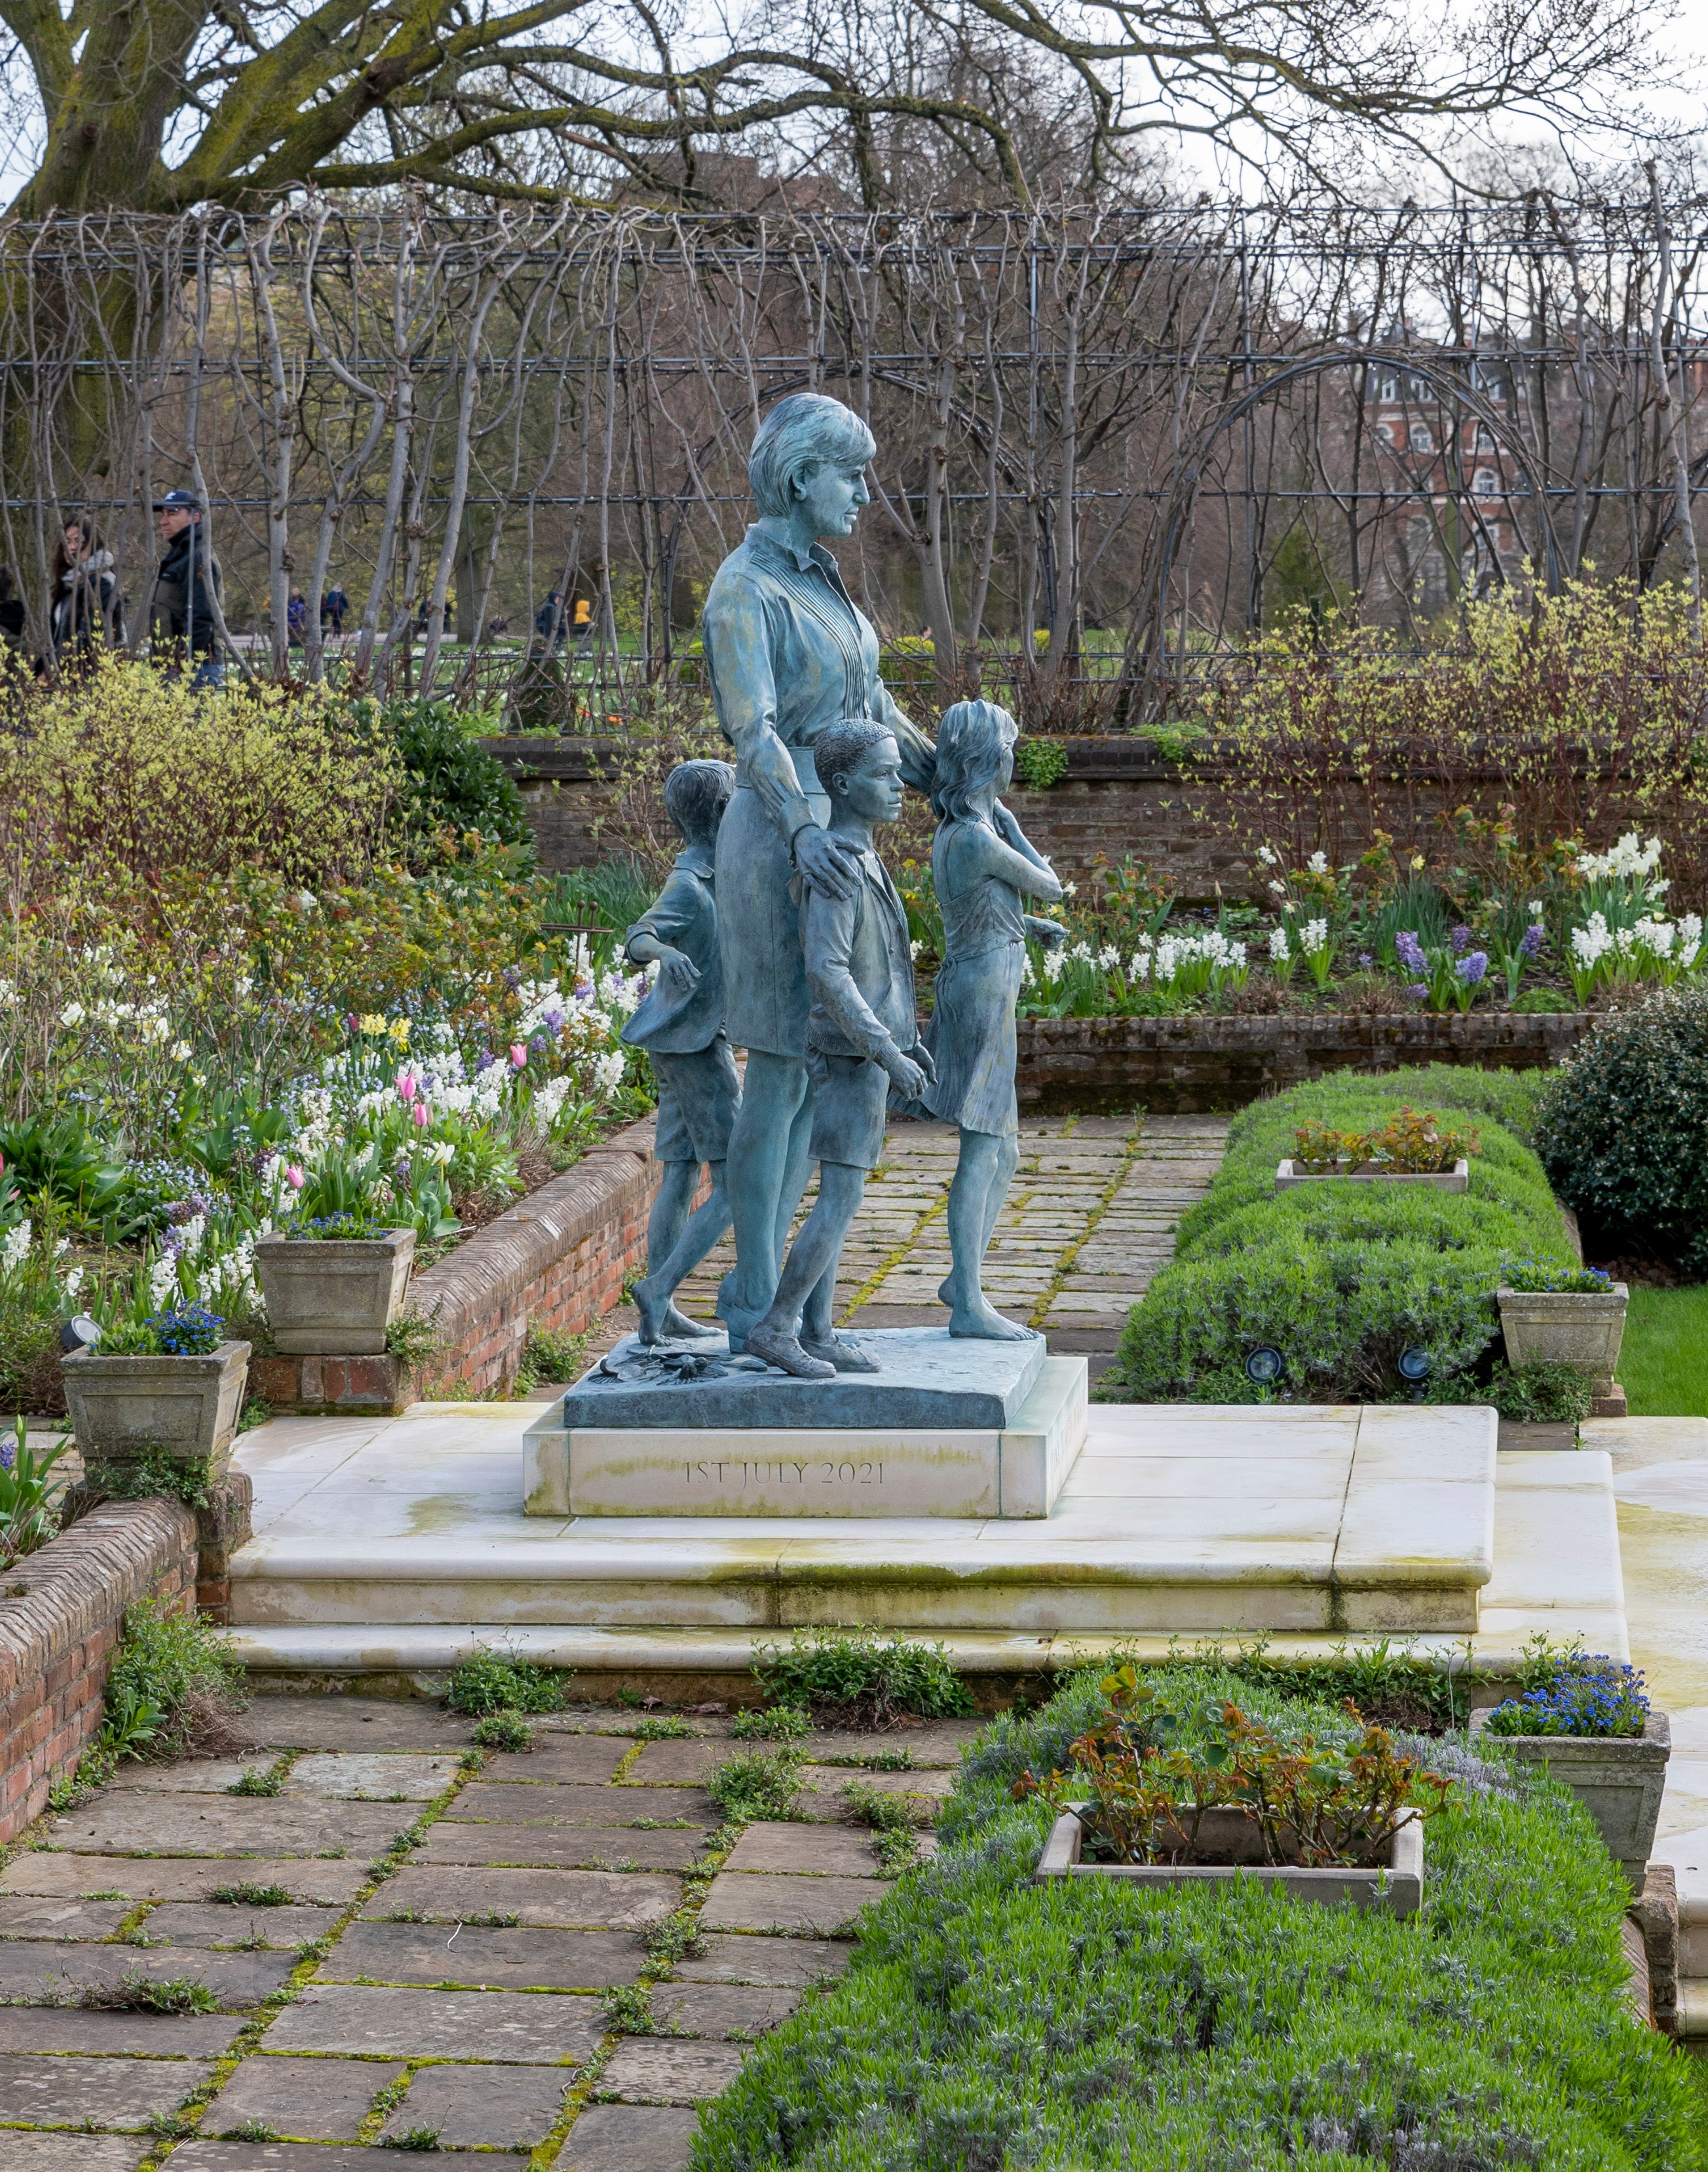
[
  {"x": 696, "y": 795},
  {"x": 840, "y": 748}
]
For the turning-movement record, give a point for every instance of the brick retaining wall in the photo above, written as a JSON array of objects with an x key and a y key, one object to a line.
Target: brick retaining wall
[
  {"x": 1190, "y": 1065},
  {"x": 60, "y": 1612},
  {"x": 557, "y": 1259}
]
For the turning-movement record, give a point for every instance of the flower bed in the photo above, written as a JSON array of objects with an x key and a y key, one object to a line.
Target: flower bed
[
  {"x": 1355, "y": 1291},
  {"x": 987, "y": 2019}
]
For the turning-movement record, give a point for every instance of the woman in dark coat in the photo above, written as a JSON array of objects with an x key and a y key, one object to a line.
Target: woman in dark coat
[{"x": 83, "y": 603}]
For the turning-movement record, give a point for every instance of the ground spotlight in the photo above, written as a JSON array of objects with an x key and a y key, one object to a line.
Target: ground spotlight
[{"x": 1266, "y": 1365}]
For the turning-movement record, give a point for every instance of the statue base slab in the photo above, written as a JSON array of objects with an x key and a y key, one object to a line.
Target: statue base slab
[{"x": 890, "y": 1461}]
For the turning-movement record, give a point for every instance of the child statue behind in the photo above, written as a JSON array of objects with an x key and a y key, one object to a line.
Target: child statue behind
[
  {"x": 982, "y": 865},
  {"x": 681, "y": 1025}
]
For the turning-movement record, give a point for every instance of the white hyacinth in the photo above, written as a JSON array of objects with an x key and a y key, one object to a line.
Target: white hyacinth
[
  {"x": 1592, "y": 943},
  {"x": 1279, "y": 948},
  {"x": 14, "y": 1247},
  {"x": 1314, "y": 937}
]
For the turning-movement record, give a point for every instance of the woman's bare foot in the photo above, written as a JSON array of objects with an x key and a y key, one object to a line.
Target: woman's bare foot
[
  {"x": 847, "y": 1357},
  {"x": 680, "y": 1328}
]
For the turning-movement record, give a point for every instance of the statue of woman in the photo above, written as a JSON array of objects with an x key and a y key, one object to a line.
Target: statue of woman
[
  {"x": 788, "y": 654},
  {"x": 981, "y": 865}
]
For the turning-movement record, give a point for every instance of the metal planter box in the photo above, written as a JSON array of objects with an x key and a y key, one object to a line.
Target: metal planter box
[
  {"x": 1584, "y": 1328},
  {"x": 1396, "y": 1888},
  {"x": 120, "y": 1407},
  {"x": 1618, "y": 1778},
  {"x": 334, "y": 1299},
  {"x": 1456, "y": 1179}
]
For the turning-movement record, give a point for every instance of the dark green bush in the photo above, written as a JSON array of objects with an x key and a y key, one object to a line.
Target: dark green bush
[
  {"x": 857, "y": 1678},
  {"x": 1623, "y": 1130},
  {"x": 450, "y": 779},
  {"x": 988, "y": 2022}
]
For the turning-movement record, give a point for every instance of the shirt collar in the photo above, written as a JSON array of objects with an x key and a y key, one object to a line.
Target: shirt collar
[
  {"x": 814, "y": 554},
  {"x": 697, "y": 860}
]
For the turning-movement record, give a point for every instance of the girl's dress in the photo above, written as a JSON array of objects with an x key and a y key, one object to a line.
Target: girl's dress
[{"x": 971, "y": 1034}]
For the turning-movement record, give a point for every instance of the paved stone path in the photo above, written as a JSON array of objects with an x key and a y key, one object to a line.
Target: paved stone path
[
  {"x": 1089, "y": 1219},
  {"x": 414, "y": 1937}
]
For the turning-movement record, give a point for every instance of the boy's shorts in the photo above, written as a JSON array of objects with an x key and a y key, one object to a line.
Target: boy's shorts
[{"x": 698, "y": 1096}]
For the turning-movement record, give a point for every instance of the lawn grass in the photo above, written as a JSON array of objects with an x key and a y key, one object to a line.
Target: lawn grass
[{"x": 1663, "y": 1361}]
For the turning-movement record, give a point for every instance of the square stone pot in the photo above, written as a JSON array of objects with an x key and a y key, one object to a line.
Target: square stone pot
[
  {"x": 1456, "y": 1179},
  {"x": 1396, "y": 1889},
  {"x": 122, "y": 1406},
  {"x": 334, "y": 1299},
  {"x": 1582, "y": 1328},
  {"x": 1618, "y": 1778}
]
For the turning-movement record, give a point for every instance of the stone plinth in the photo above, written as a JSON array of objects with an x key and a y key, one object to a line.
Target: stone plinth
[{"x": 1015, "y": 1467}]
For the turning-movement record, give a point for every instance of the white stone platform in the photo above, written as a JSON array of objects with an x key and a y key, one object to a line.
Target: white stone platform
[
  {"x": 396, "y": 1545},
  {"x": 883, "y": 1472}
]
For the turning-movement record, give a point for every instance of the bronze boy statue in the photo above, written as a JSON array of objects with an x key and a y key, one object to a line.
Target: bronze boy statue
[
  {"x": 681, "y": 1025},
  {"x": 860, "y": 1042}
]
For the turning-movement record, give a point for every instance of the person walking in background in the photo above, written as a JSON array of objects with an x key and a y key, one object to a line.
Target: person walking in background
[
  {"x": 296, "y": 619},
  {"x": 12, "y": 612},
  {"x": 83, "y": 602},
  {"x": 334, "y": 602},
  {"x": 185, "y": 588},
  {"x": 583, "y": 629},
  {"x": 548, "y": 622}
]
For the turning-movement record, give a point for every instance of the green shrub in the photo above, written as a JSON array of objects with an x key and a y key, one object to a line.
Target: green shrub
[
  {"x": 490, "y": 1682},
  {"x": 757, "y": 1785},
  {"x": 782, "y": 1722},
  {"x": 176, "y": 1663},
  {"x": 1623, "y": 1130},
  {"x": 451, "y": 782},
  {"x": 504, "y": 1730},
  {"x": 990, "y": 2022},
  {"x": 1535, "y": 1395},
  {"x": 857, "y": 1678}
]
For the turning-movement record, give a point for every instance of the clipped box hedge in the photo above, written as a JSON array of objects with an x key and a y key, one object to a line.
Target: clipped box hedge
[
  {"x": 1341, "y": 1276},
  {"x": 989, "y": 2023}
]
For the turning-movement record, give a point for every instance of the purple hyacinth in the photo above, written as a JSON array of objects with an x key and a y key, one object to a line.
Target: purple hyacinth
[
  {"x": 1418, "y": 988},
  {"x": 1471, "y": 970},
  {"x": 1460, "y": 939},
  {"x": 1532, "y": 939},
  {"x": 8, "y": 1452},
  {"x": 1409, "y": 952},
  {"x": 1366, "y": 960}
]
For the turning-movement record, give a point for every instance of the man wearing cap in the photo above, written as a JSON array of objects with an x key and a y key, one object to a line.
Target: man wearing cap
[{"x": 185, "y": 587}]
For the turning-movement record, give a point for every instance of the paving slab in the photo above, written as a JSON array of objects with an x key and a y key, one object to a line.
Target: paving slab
[
  {"x": 301, "y": 2099},
  {"x": 683, "y": 1764},
  {"x": 763, "y": 1960},
  {"x": 576, "y": 1899},
  {"x": 656, "y": 2070},
  {"x": 281, "y": 2157},
  {"x": 335, "y": 1883},
  {"x": 61, "y": 2029},
  {"x": 822, "y": 1787},
  {"x": 548, "y": 1804},
  {"x": 628, "y": 2138},
  {"x": 42, "y": 1973},
  {"x": 721, "y": 2010},
  {"x": 30, "y": 1917},
  {"x": 482, "y": 2107},
  {"x": 812, "y": 1851},
  {"x": 195, "y": 1776},
  {"x": 388, "y": 1777},
  {"x": 574, "y": 1847},
  {"x": 184, "y": 1824},
  {"x": 230, "y": 1923},
  {"x": 70, "y": 2153},
  {"x": 353, "y": 1723},
  {"x": 49, "y": 2092},
  {"x": 822, "y": 1905},
  {"x": 931, "y": 1742},
  {"x": 530, "y": 2029},
  {"x": 587, "y": 1760},
  {"x": 472, "y": 1954}
]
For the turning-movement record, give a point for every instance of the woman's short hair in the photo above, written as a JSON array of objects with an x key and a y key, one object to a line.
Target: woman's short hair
[
  {"x": 804, "y": 431},
  {"x": 840, "y": 748},
  {"x": 696, "y": 795},
  {"x": 971, "y": 741}
]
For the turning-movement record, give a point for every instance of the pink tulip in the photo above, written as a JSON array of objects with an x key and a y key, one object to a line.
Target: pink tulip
[
  {"x": 294, "y": 1176},
  {"x": 405, "y": 1086},
  {"x": 518, "y": 1054},
  {"x": 420, "y": 1115}
]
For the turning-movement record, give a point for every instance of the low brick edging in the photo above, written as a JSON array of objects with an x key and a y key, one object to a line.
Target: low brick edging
[
  {"x": 61, "y": 1610},
  {"x": 1192, "y": 1064}
]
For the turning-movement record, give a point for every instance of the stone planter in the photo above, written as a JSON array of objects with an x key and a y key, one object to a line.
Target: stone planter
[
  {"x": 120, "y": 1407},
  {"x": 1397, "y": 1888},
  {"x": 1456, "y": 1179},
  {"x": 1584, "y": 1328},
  {"x": 334, "y": 1299},
  {"x": 1617, "y": 1778}
]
